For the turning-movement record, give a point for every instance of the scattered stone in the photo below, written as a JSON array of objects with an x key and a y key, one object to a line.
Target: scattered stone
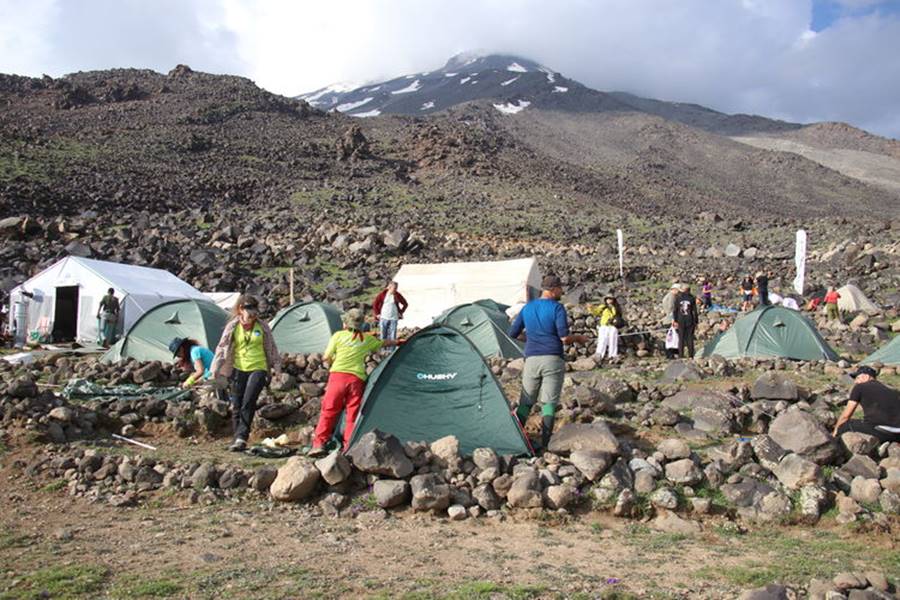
[
  {"x": 795, "y": 472},
  {"x": 684, "y": 472},
  {"x": 390, "y": 492},
  {"x": 382, "y": 454},
  {"x": 296, "y": 480},
  {"x": 594, "y": 436},
  {"x": 429, "y": 492},
  {"x": 334, "y": 468}
]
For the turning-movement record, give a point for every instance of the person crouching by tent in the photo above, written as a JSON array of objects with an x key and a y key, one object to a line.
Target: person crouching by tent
[
  {"x": 832, "y": 311},
  {"x": 546, "y": 328},
  {"x": 108, "y": 315},
  {"x": 607, "y": 334},
  {"x": 194, "y": 358},
  {"x": 388, "y": 307},
  {"x": 247, "y": 354},
  {"x": 347, "y": 351}
]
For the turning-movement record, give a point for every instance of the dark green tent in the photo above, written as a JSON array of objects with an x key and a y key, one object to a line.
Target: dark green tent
[
  {"x": 771, "y": 331},
  {"x": 889, "y": 354},
  {"x": 493, "y": 305},
  {"x": 305, "y": 328},
  {"x": 149, "y": 337},
  {"x": 438, "y": 384},
  {"x": 485, "y": 327}
]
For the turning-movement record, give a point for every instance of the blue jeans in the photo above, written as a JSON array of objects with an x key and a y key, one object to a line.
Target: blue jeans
[{"x": 388, "y": 329}]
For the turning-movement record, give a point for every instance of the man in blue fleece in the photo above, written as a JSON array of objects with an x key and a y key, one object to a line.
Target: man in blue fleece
[{"x": 547, "y": 330}]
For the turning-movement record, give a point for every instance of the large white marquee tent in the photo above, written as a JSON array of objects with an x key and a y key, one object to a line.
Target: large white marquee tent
[{"x": 62, "y": 300}]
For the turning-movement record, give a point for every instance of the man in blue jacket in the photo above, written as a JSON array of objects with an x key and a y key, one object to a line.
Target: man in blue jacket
[{"x": 546, "y": 328}]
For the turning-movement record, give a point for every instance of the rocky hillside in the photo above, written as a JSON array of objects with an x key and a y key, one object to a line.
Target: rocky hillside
[{"x": 229, "y": 186}]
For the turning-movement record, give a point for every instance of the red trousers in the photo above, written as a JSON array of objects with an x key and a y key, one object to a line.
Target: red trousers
[{"x": 343, "y": 391}]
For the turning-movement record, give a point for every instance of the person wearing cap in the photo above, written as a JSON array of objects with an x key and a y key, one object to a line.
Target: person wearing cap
[
  {"x": 246, "y": 353},
  {"x": 347, "y": 351},
  {"x": 191, "y": 356},
  {"x": 685, "y": 319},
  {"x": 668, "y": 302},
  {"x": 880, "y": 404},
  {"x": 545, "y": 324},
  {"x": 609, "y": 314}
]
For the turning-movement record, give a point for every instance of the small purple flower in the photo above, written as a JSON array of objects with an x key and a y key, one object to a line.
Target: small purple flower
[{"x": 612, "y": 580}]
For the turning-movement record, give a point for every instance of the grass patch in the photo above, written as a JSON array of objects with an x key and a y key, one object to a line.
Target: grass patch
[
  {"x": 161, "y": 587},
  {"x": 54, "y": 486},
  {"x": 476, "y": 590},
  {"x": 12, "y": 539},
  {"x": 60, "y": 583}
]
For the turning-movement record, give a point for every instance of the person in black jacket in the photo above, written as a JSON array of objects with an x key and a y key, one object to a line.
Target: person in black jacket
[
  {"x": 762, "y": 288},
  {"x": 684, "y": 319}
]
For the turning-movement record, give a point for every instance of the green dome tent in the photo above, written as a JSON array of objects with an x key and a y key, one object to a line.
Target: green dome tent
[
  {"x": 305, "y": 328},
  {"x": 889, "y": 354},
  {"x": 485, "y": 327},
  {"x": 771, "y": 331},
  {"x": 435, "y": 385},
  {"x": 149, "y": 337}
]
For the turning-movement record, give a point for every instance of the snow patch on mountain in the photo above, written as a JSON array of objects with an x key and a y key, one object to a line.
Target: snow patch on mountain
[
  {"x": 427, "y": 106},
  {"x": 362, "y": 115},
  {"x": 551, "y": 76},
  {"x": 450, "y": 74},
  {"x": 509, "y": 81},
  {"x": 516, "y": 68},
  {"x": 510, "y": 109},
  {"x": 351, "y": 105},
  {"x": 560, "y": 89},
  {"x": 415, "y": 86},
  {"x": 463, "y": 80}
]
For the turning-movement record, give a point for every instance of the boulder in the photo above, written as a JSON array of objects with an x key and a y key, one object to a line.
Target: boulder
[
  {"x": 592, "y": 463},
  {"x": 747, "y": 492},
  {"x": 773, "y": 385},
  {"x": 859, "y": 443},
  {"x": 684, "y": 472},
  {"x": 681, "y": 370},
  {"x": 890, "y": 502},
  {"x": 674, "y": 448},
  {"x": 23, "y": 387},
  {"x": 669, "y": 522},
  {"x": 594, "y": 436},
  {"x": 559, "y": 496},
  {"x": 767, "y": 451},
  {"x": 263, "y": 477},
  {"x": 862, "y": 466},
  {"x": 382, "y": 454},
  {"x": 63, "y": 414},
  {"x": 613, "y": 391},
  {"x": 334, "y": 468},
  {"x": 446, "y": 450},
  {"x": 486, "y": 497},
  {"x": 457, "y": 512},
  {"x": 773, "y": 591},
  {"x": 865, "y": 491},
  {"x": 795, "y": 472},
  {"x": 296, "y": 480},
  {"x": 148, "y": 373},
  {"x": 277, "y": 410},
  {"x": 525, "y": 491},
  {"x": 390, "y": 492},
  {"x": 800, "y": 432},
  {"x": 486, "y": 458},
  {"x": 429, "y": 492}
]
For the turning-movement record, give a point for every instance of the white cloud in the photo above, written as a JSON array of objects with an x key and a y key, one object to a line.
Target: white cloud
[{"x": 753, "y": 56}]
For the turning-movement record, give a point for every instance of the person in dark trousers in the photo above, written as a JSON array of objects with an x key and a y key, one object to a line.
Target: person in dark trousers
[
  {"x": 762, "y": 288},
  {"x": 546, "y": 328},
  {"x": 108, "y": 313},
  {"x": 388, "y": 308},
  {"x": 247, "y": 354},
  {"x": 881, "y": 408},
  {"x": 684, "y": 319},
  {"x": 747, "y": 287}
]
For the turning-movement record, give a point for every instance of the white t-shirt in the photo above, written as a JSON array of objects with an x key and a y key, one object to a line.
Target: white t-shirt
[{"x": 389, "y": 310}]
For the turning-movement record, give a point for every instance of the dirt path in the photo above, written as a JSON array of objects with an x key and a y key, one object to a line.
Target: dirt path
[{"x": 253, "y": 548}]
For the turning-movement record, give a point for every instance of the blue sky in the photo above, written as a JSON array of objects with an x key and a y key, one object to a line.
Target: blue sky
[{"x": 826, "y": 12}]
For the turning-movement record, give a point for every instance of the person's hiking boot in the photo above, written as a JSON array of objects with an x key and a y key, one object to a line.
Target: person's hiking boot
[
  {"x": 317, "y": 452},
  {"x": 238, "y": 445}
]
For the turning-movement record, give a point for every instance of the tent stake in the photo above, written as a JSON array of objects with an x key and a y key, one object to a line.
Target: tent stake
[{"x": 135, "y": 442}]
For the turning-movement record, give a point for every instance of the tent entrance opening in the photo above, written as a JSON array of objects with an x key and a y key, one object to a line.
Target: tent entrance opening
[{"x": 65, "y": 317}]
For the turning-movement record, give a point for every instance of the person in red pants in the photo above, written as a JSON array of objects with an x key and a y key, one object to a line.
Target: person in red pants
[{"x": 347, "y": 350}]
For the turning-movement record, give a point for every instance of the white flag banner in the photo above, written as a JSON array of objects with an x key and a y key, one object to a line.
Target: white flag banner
[
  {"x": 621, "y": 240},
  {"x": 800, "y": 261}
]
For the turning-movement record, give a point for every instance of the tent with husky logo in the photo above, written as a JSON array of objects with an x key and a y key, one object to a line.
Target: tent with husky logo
[
  {"x": 437, "y": 384},
  {"x": 305, "y": 327},
  {"x": 485, "y": 326},
  {"x": 771, "y": 332},
  {"x": 149, "y": 337}
]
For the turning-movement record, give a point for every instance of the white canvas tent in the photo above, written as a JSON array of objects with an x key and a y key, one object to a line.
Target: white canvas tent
[
  {"x": 431, "y": 289},
  {"x": 62, "y": 300},
  {"x": 225, "y": 300},
  {"x": 853, "y": 300}
]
